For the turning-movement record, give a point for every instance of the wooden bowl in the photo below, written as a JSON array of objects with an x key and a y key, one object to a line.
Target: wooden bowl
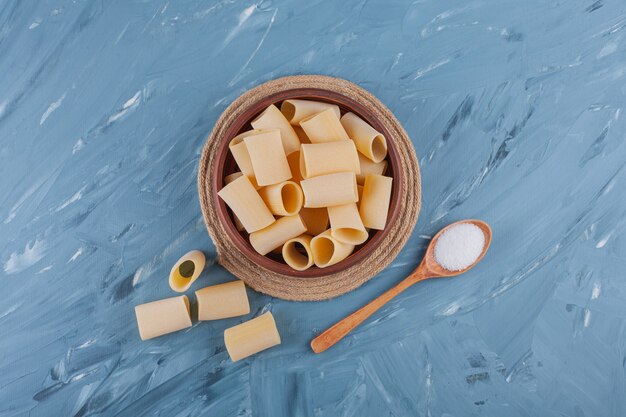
[{"x": 225, "y": 165}]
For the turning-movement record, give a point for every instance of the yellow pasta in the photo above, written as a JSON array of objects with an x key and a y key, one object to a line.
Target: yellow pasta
[
  {"x": 324, "y": 127},
  {"x": 297, "y": 252},
  {"x": 251, "y": 337},
  {"x": 283, "y": 229},
  {"x": 246, "y": 204},
  {"x": 315, "y": 220},
  {"x": 272, "y": 118},
  {"x": 328, "y": 251},
  {"x": 294, "y": 165},
  {"x": 284, "y": 199},
  {"x": 346, "y": 225},
  {"x": 328, "y": 158},
  {"x": 186, "y": 270},
  {"x": 296, "y": 110},
  {"x": 232, "y": 177},
  {"x": 369, "y": 167},
  {"x": 240, "y": 153},
  {"x": 223, "y": 301},
  {"x": 330, "y": 190},
  {"x": 227, "y": 180},
  {"x": 375, "y": 202},
  {"x": 268, "y": 158},
  {"x": 368, "y": 140},
  {"x": 162, "y": 317}
]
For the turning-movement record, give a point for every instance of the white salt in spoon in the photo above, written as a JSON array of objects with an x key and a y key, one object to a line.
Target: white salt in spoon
[{"x": 457, "y": 247}]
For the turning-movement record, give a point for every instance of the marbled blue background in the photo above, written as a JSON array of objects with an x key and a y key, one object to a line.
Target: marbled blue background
[{"x": 514, "y": 108}]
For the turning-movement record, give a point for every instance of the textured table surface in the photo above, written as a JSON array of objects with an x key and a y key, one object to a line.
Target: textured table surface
[{"x": 514, "y": 108}]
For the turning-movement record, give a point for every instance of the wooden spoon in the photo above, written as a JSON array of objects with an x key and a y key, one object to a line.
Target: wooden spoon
[{"x": 428, "y": 268}]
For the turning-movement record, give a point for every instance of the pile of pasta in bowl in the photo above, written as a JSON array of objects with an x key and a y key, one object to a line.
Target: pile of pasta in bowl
[{"x": 311, "y": 184}]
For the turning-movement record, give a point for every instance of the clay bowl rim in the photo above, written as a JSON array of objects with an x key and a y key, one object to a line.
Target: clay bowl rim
[{"x": 225, "y": 166}]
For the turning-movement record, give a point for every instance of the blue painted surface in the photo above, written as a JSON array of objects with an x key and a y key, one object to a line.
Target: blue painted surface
[{"x": 514, "y": 108}]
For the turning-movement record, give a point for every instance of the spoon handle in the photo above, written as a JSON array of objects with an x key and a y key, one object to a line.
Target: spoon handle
[{"x": 340, "y": 329}]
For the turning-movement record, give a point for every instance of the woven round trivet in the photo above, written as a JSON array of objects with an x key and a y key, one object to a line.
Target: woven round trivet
[{"x": 328, "y": 286}]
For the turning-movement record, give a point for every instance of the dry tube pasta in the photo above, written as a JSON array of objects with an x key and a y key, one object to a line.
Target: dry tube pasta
[
  {"x": 223, "y": 301},
  {"x": 186, "y": 270},
  {"x": 227, "y": 180},
  {"x": 375, "y": 201},
  {"x": 296, "y": 110},
  {"x": 296, "y": 259},
  {"x": 369, "y": 167},
  {"x": 162, "y": 317},
  {"x": 246, "y": 204},
  {"x": 346, "y": 225},
  {"x": 328, "y": 158},
  {"x": 330, "y": 190},
  {"x": 269, "y": 161},
  {"x": 273, "y": 236},
  {"x": 324, "y": 127},
  {"x": 251, "y": 337},
  {"x": 368, "y": 140},
  {"x": 328, "y": 251},
  {"x": 272, "y": 118},
  {"x": 284, "y": 199},
  {"x": 239, "y": 150}
]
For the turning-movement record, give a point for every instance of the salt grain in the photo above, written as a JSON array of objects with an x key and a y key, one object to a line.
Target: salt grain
[{"x": 459, "y": 246}]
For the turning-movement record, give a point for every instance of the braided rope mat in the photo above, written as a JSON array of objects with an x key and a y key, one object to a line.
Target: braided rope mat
[{"x": 328, "y": 286}]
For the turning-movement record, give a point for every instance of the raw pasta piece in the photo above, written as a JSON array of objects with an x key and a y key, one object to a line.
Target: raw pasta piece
[
  {"x": 328, "y": 251},
  {"x": 346, "y": 225},
  {"x": 296, "y": 110},
  {"x": 284, "y": 199},
  {"x": 294, "y": 165},
  {"x": 246, "y": 204},
  {"x": 186, "y": 270},
  {"x": 283, "y": 229},
  {"x": 301, "y": 135},
  {"x": 328, "y": 158},
  {"x": 315, "y": 220},
  {"x": 223, "y": 301},
  {"x": 227, "y": 180},
  {"x": 330, "y": 190},
  {"x": 297, "y": 252},
  {"x": 268, "y": 158},
  {"x": 232, "y": 177},
  {"x": 272, "y": 118},
  {"x": 324, "y": 127},
  {"x": 375, "y": 202},
  {"x": 240, "y": 153},
  {"x": 251, "y": 337},
  {"x": 368, "y": 140},
  {"x": 369, "y": 167},
  {"x": 162, "y": 317},
  {"x": 359, "y": 189}
]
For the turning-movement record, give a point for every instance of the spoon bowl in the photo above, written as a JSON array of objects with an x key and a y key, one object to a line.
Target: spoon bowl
[
  {"x": 428, "y": 268},
  {"x": 430, "y": 264}
]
